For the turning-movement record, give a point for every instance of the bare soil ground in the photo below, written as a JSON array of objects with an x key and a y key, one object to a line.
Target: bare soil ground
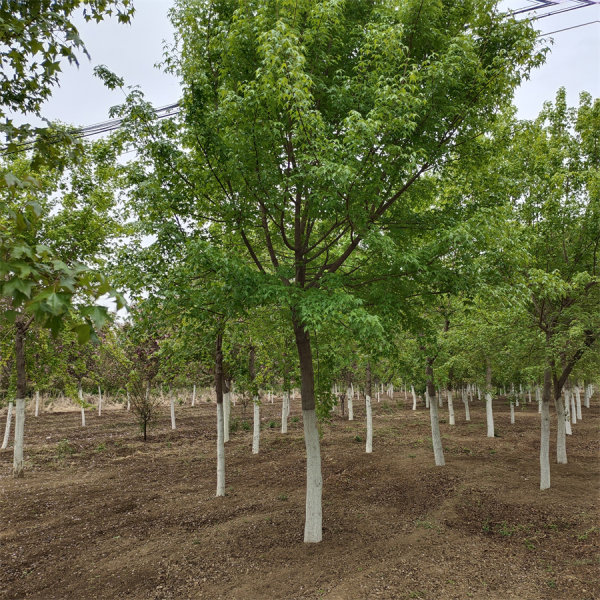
[{"x": 100, "y": 514}]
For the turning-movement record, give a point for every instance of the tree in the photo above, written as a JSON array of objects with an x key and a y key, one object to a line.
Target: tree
[{"x": 306, "y": 123}]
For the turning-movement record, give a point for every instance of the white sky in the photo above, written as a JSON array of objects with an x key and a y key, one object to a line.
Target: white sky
[{"x": 131, "y": 51}]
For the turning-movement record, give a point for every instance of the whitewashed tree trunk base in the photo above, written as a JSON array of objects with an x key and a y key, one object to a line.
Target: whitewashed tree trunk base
[
  {"x": 7, "y": 427},
  {"x": 220, "y": 451},
  {"x": 173, "y": 425},
  {"x": 37, "y": 403},
  {"x": 350, "y": 396},
  {"x": 256, "y": 432},
  {"x": 226, "y": 413},
  {"x": 284, "y": 412},
  {"x": 450, "y": 408},
  {"x": 438, "y": 450},
  {"x": 313, "y": 530},
  {"x": 545, "y": 447},
  {"x": 369, "y": 447},
  {"x": 489, "y": 414},
  {"x": 19, "y": 437}
]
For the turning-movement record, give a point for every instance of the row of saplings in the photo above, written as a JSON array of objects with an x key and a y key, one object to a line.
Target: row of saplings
[{"x": 145, "y": 405}]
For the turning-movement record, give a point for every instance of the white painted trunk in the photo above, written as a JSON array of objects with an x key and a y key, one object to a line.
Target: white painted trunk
[
  {"x": 467, "y": 410},
  {"x": 512, "y": 413},
  {"x": 588, "y": 395},
  {"x": 378, "y": 396},
  {"x": 99, "y": 402},
  {"x": 440, "y": 399},
  {"x": 313, "y": 531},
  {"x": 369, "y": 448},
  {"x": 545, "y": 447},
  {"x": 567, "y": 409},
  {"x": 578, "y": 402},
  {"x": 226, "y": 412},
  {"x": 438, "y": 451},
  {"x": 256, "y": 432},
  {"x": 19, "y": 437},
  {"x": 489, "y": 414},
  {"x": 284, "y": 412},
  {"x": 173, "y": 426},
  {"x": 37, "y": 403},
  {"x": 194, "y": 396},
  {"x": 7, "y": 427},
  {"x": 128, "y": 402},
  {"x": 82, "y": 416},
  {"x": 349, "y": 394},
  {"x": 220, "y": 451},
  {"x": 426, "y": 399},
  {"x": 450, "y": 408},
  {"x": 561, "y": 439},
  {"x": 412, "y": 389},
  {"x": 529, "y": 396}
]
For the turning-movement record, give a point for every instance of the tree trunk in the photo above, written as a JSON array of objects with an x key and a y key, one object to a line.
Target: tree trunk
[
  {"x": 172, "y": 402},
  {"x": 37, "y": 403},
  {"x": 19, "y": 437},
  {"x": 512, "y": 412},
  {"x": 450, "y": 408},
  {"x": 369, "y": 446},
  {"x": 561, "y": 439},
  {"x": 256, "y": 432},
  {"x": 488, "y": 400},
  {"x": 412, "y": 389},
  {"x": 578, "y": 402},
  {"x": 567, "y": 409},
  {"x": 8, "y": 423},
  {"x": 465, "y": 400},
  {"x": 545, "y": 432},
  {"x": 99, "y": 402},
  {"x": 313, "y": 531},
  {"x": 436, "y": 438},
  {"x": 427, "y": 397},
  {"x": 573, "y": 409},
  {"x": 226, "y": 415},
  {"x": 128, "y": 402},
  {"x": 220, "y": 421},
  {"x": 284, "y": 411},
  {"x": 350, "y": 397},
  {"x": 194, "y": 396}
]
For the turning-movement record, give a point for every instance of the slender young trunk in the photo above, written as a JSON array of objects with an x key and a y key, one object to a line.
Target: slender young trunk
[
  {"x": 567, "y": 409},
  {"x": 369, "y": 446},
  {"x": 440, "y": 399},
  {"x": 19, "y": 437},
  {"x": 450, "y": 408},
  {"x": 561, "y": 439},
  {"x": 128, "y": 402},
  {"x": 194, "y": 396},
  {"x": 220, "y": 421},
  {"x": 426, "y": 398},
  {"x": 313, "y": 531},
  {"x": 256, "y": 432},
  {"x": 412, "y": 389},
  {"x": 350, "y": 396},
  {"x": 37, "y": 403},
  {"x": 573, "y": 409},
  {"x": 545, "y": 432},
  {"x": 226, "y": 414},
  {"x": 284, "y": 411},
  {"x": 82, "y": 407},
  {"x": 8, "y": 423},
  {"x": 489, "y": 413},
  {"x": 438, "y": 451},
  {"x": 99, "y": 402},
  {"x": 172, "y": 402},
  {"x": 588, "y": 395},
  {"x": 512, "y": 412}
]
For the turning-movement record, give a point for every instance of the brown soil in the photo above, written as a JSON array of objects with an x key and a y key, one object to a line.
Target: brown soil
[{"x": 104, "y": 515}]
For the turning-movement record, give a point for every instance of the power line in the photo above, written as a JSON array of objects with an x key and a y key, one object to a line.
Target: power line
[{"x": 572, "y": 27}]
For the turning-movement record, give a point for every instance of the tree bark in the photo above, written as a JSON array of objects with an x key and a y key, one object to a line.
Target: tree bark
[
  {"x": 37, "y": 403},
  {"x": 256, "y": 432},
  {"x": 99, "y": 402},
  {"x": 450, "y": 408},
  {"x": 412, "y": 389},
  {"x": 313, "y": 531},
  {"x": 561, "y": 438}
]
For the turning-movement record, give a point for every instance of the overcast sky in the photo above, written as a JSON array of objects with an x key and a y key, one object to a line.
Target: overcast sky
[{"x": 131, "y": 51}]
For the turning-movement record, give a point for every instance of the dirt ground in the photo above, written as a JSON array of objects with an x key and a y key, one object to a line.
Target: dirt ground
[{"x": 101, "y": 515}]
